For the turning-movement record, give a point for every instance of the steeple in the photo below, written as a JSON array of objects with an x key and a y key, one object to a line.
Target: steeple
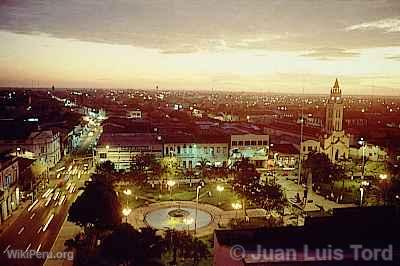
[
  {"x": 336, "y": 86},
  {"x": 336, "y": 89}
]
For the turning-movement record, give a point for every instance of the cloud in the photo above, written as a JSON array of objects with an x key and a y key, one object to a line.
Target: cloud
[
  {"x": 189, "y": 26},
  {"x": 393, "y": 57},
  {"x": 330, "y": 53},
  {"x": 387, "y": 24}
]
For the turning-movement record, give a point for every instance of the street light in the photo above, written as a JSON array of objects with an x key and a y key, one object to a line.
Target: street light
[
  {"x": 128, "y": 192},
  {"x": 170, "y": 184},
  {"x": 188, "y": 221},
  {"x": 364, "y": 183},
  {"x": 383, "y": 176},
  {"x": 362, "y": 142},
  {"x": 197, "y": 206},
  {"x": 220, "y": 189},
  {"x": 236, "y": 206},
  {"x": 126, "y": 211}
]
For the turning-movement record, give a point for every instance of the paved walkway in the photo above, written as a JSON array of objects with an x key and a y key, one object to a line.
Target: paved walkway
[
  {"x": 14, "y": 216},
  {"x": 218, "y": 216},
  {"x": 291, "y": 188},
  {"x": 68, "y": 231}
]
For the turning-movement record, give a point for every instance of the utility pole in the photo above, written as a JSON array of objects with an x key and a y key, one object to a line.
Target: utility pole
[{"x": 301, "y": 137}]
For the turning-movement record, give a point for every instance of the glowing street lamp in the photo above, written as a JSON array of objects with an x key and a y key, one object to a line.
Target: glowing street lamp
[
  {"x": 383, "y": 176},
  {"x": 364, "y": 184},
  {"x": 220, "y": 189},
  {"x": 128, "y": 192},
  {"x": 170, "y": 184},
  {"x": 188, "y": 221},
  {"x": 197, "y": 207},
  {"x": 126, "y": 211},
  {"x": 236, "y": 206}
]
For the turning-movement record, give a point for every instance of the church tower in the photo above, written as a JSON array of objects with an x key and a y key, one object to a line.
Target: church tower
[{"x": 334, "y": 110}]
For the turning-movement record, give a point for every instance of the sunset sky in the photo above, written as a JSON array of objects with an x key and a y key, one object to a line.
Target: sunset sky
[{"x": 271, "y": 46}]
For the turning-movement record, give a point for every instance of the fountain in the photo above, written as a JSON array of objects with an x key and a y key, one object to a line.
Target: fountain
[{"x": 176, "y": 218}]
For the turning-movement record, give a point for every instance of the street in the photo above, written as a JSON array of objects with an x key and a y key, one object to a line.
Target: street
[{"x": 29, "y": 230}]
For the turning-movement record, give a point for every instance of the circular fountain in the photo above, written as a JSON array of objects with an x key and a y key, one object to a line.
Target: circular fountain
[{"x": 178, "y": 218}]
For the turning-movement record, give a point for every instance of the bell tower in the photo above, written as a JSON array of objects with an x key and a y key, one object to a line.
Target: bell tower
[{"x": 334, "y": 110}]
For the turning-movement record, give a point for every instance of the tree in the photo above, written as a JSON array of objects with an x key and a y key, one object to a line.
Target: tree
[
  {"x": 247, "y": 183},
  {"x": 127, "y": 246},
  {"x": 98, "y": 206},
  {"x": 322, "y": 169},
  {"x": 184, "y": 245}
]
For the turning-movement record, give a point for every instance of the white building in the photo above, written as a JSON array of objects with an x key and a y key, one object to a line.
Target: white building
[
  {"x": 252, "y": 146},
  {"x": 191, "y": 150},
  {"x": 121, "y": 148},
  {"x": 9, "y": 191},
  {"x": 335, "y": 143},
  {"x": 43, "y": 145}
]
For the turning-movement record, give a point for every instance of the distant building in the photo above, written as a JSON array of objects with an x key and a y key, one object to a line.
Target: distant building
[
  {"x": 121, "y": 148},
  {"x": 9, "y": 191},
  {"x": 369, "y": 151},
  {"x": 252, "y": 146},
  {"x": 193, "y": 149},
  {"x": 136, "y": 114},
  {"x": 285, "y": 155},
  {"x": 43, "y": 145}
]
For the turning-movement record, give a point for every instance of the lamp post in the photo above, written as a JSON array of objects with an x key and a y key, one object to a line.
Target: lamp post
[
  {"x": 197, "y": 206},
  {"x": 170, "y": 184},
  {"x": 127, "y": 192},
  {"x": 362, "y": 142},
  {"x": 383, "y": 177},
  {"x": 220, "y": 188},
  {"x": 126, "y": 211},
  {"x": 188, "y": 221},
  {"x": 236, "y": 206},
  {"x": 362, "y": 191}
]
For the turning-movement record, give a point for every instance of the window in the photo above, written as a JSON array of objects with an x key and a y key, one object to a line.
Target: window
[
  {"x": 265, "y": 142},
  {"x": 247, "y": 143},
  {"x": 240, "y": 143},
  {"x": 41, "y": 149},
  {"x": 253, "y": 143},
  {"x": 234, "y": 143},
  {"x": 184, "y": 164},
  {"x": 103, "y": 155},
  {"x": 166, "y": 150},
  {"x": 260, "y": 143},
  {"x": 310, "y": 148},
  {"x": 179, "y": 149},
  {"x": 218, "y": 150},
  {"x": 304, "y": 148}
]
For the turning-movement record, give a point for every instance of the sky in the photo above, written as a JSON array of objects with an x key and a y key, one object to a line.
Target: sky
[{"x": 241, "y": 45}]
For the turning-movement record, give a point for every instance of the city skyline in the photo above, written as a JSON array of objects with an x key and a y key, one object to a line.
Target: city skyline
[{"x": 251, "y": 46}]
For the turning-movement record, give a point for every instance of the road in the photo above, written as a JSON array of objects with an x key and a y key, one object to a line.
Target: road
[{"x": 29, "y": 231}]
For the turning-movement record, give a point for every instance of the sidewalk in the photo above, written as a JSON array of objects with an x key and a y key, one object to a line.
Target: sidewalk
[
  {"x": 68, "y": 230},
  {"x": 14, "y": 216},
  {"x": 291, "y": 188}
]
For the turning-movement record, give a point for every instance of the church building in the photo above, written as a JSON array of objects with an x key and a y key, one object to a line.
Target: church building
[{"x": 334, "y": 142}]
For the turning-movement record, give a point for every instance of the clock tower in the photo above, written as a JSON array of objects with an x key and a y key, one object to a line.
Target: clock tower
[{"x": 334, "y": 110}]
